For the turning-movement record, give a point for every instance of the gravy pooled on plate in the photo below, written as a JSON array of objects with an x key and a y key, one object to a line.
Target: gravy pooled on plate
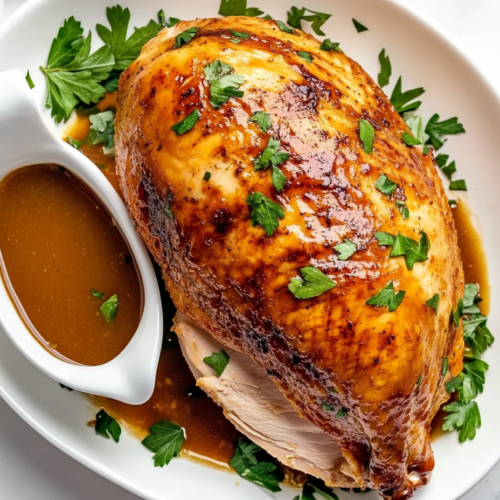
[{"x": 66, "y": 259}]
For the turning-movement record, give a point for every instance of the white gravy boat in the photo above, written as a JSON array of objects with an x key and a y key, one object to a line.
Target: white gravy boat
[{"x": 26, "y": 140}]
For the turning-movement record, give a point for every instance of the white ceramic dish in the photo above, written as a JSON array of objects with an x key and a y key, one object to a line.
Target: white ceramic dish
[
  {"x": 24, "y": 140},
  {"x": 425, "y": 57}
]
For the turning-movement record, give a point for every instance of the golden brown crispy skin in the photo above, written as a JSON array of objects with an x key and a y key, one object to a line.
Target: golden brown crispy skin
[{"x": 230, "y": 278}]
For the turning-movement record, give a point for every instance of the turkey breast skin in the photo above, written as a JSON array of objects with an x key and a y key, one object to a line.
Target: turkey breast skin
[{"x": 382, "y": 370}]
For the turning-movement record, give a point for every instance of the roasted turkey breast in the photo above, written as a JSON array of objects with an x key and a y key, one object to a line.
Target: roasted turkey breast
[{"x": 368, "y": 376}]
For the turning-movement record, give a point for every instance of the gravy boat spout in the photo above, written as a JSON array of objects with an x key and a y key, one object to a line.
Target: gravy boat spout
[{"x": 26, "y": 140}]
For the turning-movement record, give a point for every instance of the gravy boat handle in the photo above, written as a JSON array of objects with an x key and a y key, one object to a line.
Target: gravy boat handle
[{"x": 26, "y": 140}]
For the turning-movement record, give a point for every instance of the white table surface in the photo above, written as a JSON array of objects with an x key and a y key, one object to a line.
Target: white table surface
[{"x": 32, "y": 468}]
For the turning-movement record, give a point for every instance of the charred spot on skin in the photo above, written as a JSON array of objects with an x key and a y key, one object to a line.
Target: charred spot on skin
[
  {"x": 152, "y": 91},
  {"x": 187, "y": 93},
  {"x": 222, "y": 220}
]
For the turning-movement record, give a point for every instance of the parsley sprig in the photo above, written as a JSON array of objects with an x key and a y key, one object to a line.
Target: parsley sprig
[
  {"x": 238, "y": 8},
  {"x": 405, "y": 101},
  {"x": 265, "y": 212},
  {"x": 403, "y": 246},
  {"x": 271, "y": 156},
  {"x": 107, "y": 427},
  {"x": 312, "y": 283},
  {"x": 165, "y": 441},
  {"x": 223, "y": 84},
  {"x": 387, "y": 298},
  {"x": 317, "y": 19}
]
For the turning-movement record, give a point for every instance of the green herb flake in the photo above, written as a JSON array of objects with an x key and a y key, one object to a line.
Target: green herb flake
[
  {"x": 385, "y": 69},
  {"x": 73, "y": 74},
  {"x": 168, "y": 206},
  {"x": 404, "y": 101},
  {"x": 238, "y": 8},
  {"x": 326, "y": 406},
  {"x": 187, "y": 124},
  {"x": 387, "y": 298},
  {"x": 444, "y": 368},
  {"x": 458, "y": 185},
  {"x": 283, "y": 27},
  {"x": 107, "y": 426},
  {"x": 359, "y": 27},
  {"x": 409, "y": 140},
  {"x": 263, "y": 120},
  {"x": 412, "y": 251},
  {"x": 218, "y": 361},
  {"x": 248, "y": 464},
  {"x": 223, "y": 84},
  {"x": 309, "y": 489},
  {"x": 125, "y": 51},
  {"x": 449, "y": 169},
  {"x": 416, "y": 125},
  {"x": 312, "y": 283},
  {"x": 271, "y": 156},
  {"x": 279, "y": 178},
  {"x": 265, "y": 212},
  {"x": 403, "y": 209},
  {"x": 329, "y": 46},
  {"x": 165, "y": 441},
  {"x": 166, "y": 22},
  {"x": 239, "y": 34},
  {"x": 341, "y": 413},
  {"x": 346, "y": 249},
  {"x": 306, "y": 55},
  {"x": 367, "y": 135},
  {"x": 385, "y": 185},
  {"x": 97, "y": 294},
  {"x": 109, "y": 308},
  {"x": 464, "y": 418},
  {"x": 185, "y": 37},
  {"x": 207, "y": 176},
  {"x": 29, "y": 80},
  {"x": 73, "y": 142},
  {"x": 317, "y": 19},
  {"x": 433, "y": 302},
  {"x": 385, "y": 239},
  {"x": 441, "y": 159},
  {"x": 437, "y": 129},
  {"x": 235, "y": 40}
]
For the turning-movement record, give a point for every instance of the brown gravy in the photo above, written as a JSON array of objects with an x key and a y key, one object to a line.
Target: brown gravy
[
  {"x": 209, "y": 433},
  {"x": 58, "y": 242}
]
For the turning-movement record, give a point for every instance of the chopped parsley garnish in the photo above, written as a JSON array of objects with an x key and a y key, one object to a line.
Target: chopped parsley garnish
[
  {"x": 309, "y": 489},
  {"x": 168, "y": 206},
  {"x": 452, "y": 203},
  {"x": 223, "y": 84},
  {"x": 403, "y": 209},
  {"x": 464, "y": 418},
  {"x": 449, "y": 169},
  {"x": 102, "y": 130},
  {"x": 444, "y": 368},
  {"x": 279, "y": 178},
  {"x": 437, "y": 129},
  {"x": 441, "y": 159},
  {"x": 271, "y": 155},
  {"x": 329, "y": 46},
  {"x": 165, "y": 441},
  {"x": 325, "y": 406},
  {"x": 207, "y": 176},
  {"x": 73, "y": 74},
  {"x": 366, "y": 134},
  {"x": 107, "y": 426},
  {"x": 166, "y": 22},
  {"x": 265, "y": 212},
  {"x": 433, "y": 302},
  {"x": 410, "y": 140},
  {"x": 235, "y": 40},
  {"x": 185, "y": 37},
  {"x": 402, "y": 101},
  {"x": 385, "y": 239},
  {"x": 97, "y": 294},
  {"x": 476, "y": 334},
  {"x": 385, "y": 69},
  {"x": 187, "y": 124},
  {"x": 341, "y": 413},
  {"x": 238, "y": 8},
  {"x": 283, "y": 27},
  {"x": 312, "y": 283},
  {"x": 218, "y": 361},
  {"x": 387, "y": 298},
  {"x": 73, "y": 142},
  {"x": 263, "y": 120},
  {"x": 249, "y": 462},
  {"x": 317, "y": 19},
  {"x": 306, "y": 55},
  {"x": 359, "y": 27},
  {"x": 385, "y": 185},
  {"x": 125, "y": 51},
  {"x": 29, "y": 80},
  {"x": 109, "y": 308},
  {"x": 416, "y": 125},
  {"x": 346, "y": 249},
  {"x": 470, "y": 382},
  {"x": 458, "y": 185},
  {"x": 239, "y": 34},
  {"x": 403, "y": 246}
]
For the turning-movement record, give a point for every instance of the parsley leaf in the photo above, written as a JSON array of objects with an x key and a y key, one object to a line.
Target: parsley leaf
[
  {"x": 29, "y": 80},
  {"x": 124, "y": 50},
  {"x": 223, "y": 84},
  {"x": 385, "y": 185},
  {"x": 97, "y": 294},
  {"x": 271, "y": 155},
  {"x": 471, "y": 297},
  {"x": 385, "y": 69},
  {"x": 366, "y": 134},
  {"x": 187, "y": 124},
  {"x": 265, "y": 212},
  {"x": 412, "y": 251},
  {"x": 441, "y": 159},
  {"x": 283, "y": 27},
  {"x": 207, "y": 176},
  {"x": 218, "y": 361},
  {"x": 476, "y": 334},
  {"x": 341, "y": 413},
  {"x": 238, "y": 8},
  {"x": 107, "y": 426},
  {"x": 279, "y": 178},
  {"x": 402, "y": 100},
  {"x": 239, "y": 34},
  {"x": 359, "y": 27},
  {"x": 387, "y": 298},
  {"x": 73, "y": 74},
  {"x": 385, "y": 239},
  {"x": 216, "y": 70},
  {"x": 165, "y": 441},
  {"x": 165, "y": 22},
  {"x": 346, "y": 249},
  {"x": 463, "y": 417},
  {"x": 309, "y": 489},
  {"x": 247, "y": 464},
  {"x": 317, "y": 19},
  {"x": 437, "y": 129},
  {"x": 470, "y": 382},
  {"x": 312, "y": 283},
  {"x": 263, "y": 120},
  {"x": 73, "y": 142},
  {"x": 102, "y": 130},
  {"x": 185, "y": 37},
  {"x": 403, "y": 209},
  {"x": 433, "y": 302},
  {"x": 416, "y": 125},
  {"x": 444, "y": 368},
  {"x": 449, "y": 169},
  {"x": 329, "y": 46},
  {"x": 306, "y": 55},
  {"x": 109, "y": 308},
  {"x": 458, "y": 185},
  {"x": 410, "y": 140}
]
